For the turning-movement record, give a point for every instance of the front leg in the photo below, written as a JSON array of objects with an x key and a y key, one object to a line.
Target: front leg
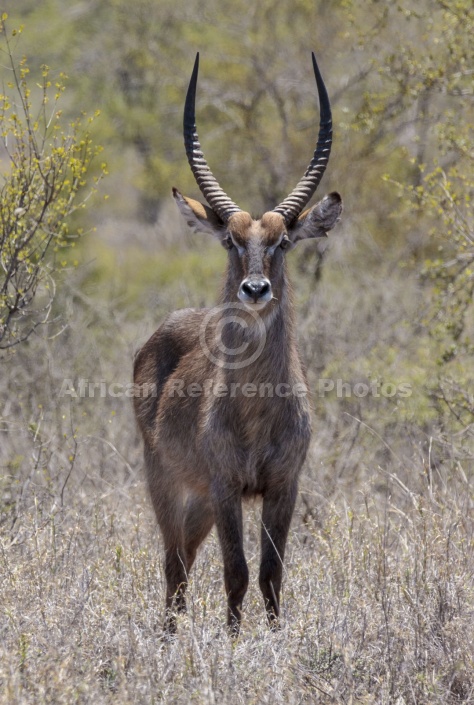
[
  {"x": 227, "y": 506},
  {"x": 278, "y": 506}
]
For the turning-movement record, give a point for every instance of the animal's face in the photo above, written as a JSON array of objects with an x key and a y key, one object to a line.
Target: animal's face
[
  {"x": 257, "y": 248},
  {"x": 256, "y": 253}
]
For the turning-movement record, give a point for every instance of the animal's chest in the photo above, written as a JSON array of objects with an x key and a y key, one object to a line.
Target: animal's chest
[
  {"x": 266, "y": 433},
  {"x": 258, "y": 421}
]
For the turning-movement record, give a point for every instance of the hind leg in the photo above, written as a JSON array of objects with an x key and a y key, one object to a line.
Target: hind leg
[
  {"x": 198, "y": 522},
  {"x": 167, "y": 499}
]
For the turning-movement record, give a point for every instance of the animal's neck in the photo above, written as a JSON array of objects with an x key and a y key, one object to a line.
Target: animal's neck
[{"x": 266, "y": 336}]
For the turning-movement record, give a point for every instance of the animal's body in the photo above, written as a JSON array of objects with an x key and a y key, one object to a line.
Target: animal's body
[{"x": 229, "y": 416}]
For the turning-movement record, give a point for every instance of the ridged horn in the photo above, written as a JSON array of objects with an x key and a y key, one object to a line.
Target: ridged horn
[
  {"x": 212, "y": 192},
  {"x": 293, "y": 204}
]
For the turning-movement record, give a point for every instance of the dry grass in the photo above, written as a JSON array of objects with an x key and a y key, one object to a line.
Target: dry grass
[
  {"x": 378, "y": 607},
  {"x": 378, "y": 599}
]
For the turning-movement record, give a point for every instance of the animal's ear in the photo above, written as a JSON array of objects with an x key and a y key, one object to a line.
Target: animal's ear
[
  {"x": 318, "y": 220},
  {"x": 199, "y": 217}
]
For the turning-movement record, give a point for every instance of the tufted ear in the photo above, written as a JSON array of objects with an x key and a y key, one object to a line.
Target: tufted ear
[
  {"x": 318, "y": 220},
  {"x": 199, "y": 217}
]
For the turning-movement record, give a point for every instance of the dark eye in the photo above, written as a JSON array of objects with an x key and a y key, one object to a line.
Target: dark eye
[
  {"x": 285, "y": 243},
  {"x": 227, "y": 243}
]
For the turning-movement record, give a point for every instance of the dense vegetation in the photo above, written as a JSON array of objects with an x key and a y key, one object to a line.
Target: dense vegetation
[{"x": 379, "y": 596}]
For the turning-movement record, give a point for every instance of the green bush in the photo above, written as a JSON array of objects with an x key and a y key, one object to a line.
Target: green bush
[{"x": 45, "y": 180}]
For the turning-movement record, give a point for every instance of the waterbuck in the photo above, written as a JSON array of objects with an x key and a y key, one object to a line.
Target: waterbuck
[{"x": 228, "y": 417}]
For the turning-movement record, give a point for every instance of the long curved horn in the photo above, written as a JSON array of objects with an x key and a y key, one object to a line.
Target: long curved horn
[
  {"x": 293, "y": 204},
  {"x": 212, "y": 192}
]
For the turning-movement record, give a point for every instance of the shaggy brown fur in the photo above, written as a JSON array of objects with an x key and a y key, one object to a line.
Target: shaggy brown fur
[{"x": 207, "y": 448}]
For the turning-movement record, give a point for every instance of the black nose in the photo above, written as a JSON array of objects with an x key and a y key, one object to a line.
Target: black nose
[{"x": 255, "y": 288}]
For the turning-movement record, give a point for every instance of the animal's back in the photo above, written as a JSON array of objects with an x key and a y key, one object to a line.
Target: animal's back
[{"x": 156, "y": 361}]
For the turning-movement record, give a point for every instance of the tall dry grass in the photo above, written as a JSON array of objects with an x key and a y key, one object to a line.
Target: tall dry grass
[{"x": 378, "y": 597}]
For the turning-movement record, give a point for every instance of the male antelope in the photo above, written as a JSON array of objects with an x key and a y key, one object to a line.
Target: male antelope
[{"x": 229, "y": 419}]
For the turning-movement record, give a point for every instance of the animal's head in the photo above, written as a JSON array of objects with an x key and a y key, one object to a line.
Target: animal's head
[{"x": 257, "y": 248}]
